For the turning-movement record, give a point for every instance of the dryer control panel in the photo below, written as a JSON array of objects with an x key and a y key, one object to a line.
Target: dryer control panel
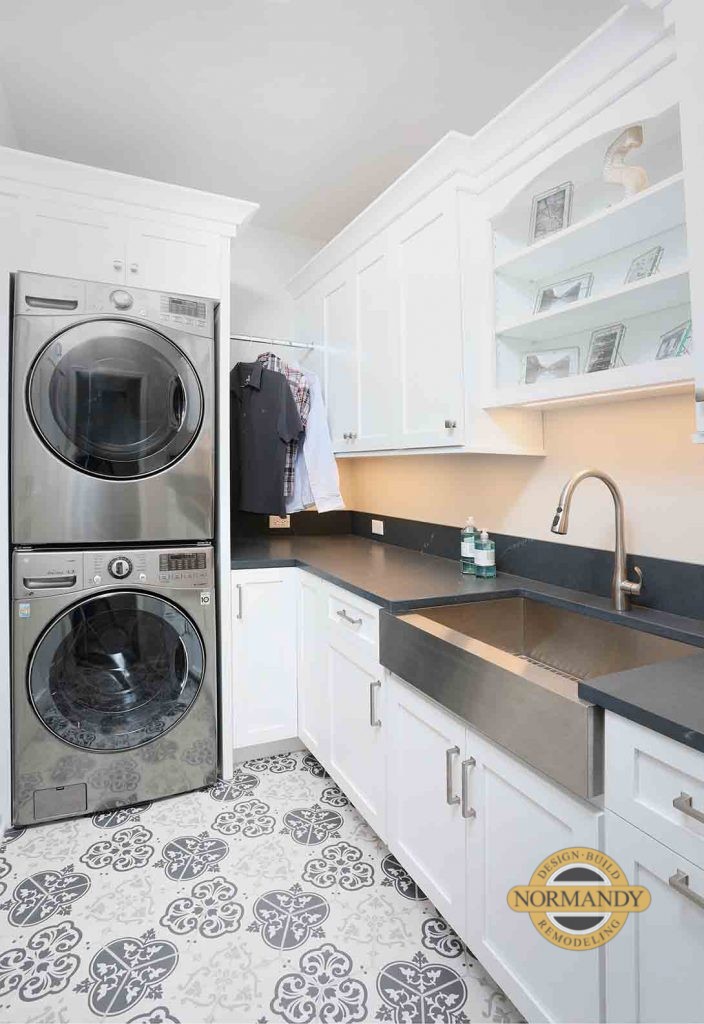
[
  {"x": 47, "y": 573},
  {"x": 41, "y": 295}
]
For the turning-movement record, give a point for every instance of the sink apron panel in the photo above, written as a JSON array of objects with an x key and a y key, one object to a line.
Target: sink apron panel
[{"x": 553, "y": 731}]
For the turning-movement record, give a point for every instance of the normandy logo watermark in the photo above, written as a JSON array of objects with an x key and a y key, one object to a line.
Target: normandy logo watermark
[{"x": 578, "y": 898}]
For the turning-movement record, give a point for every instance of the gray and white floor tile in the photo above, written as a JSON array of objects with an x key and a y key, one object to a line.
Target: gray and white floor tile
[{"x": 265, "y": 899}]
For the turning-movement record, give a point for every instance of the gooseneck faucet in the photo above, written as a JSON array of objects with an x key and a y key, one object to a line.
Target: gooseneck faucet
[{"x": 621, "y": 587}]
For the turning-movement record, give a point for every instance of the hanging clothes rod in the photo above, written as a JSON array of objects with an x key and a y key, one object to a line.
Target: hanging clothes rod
[{"x": 271, "y": 341}]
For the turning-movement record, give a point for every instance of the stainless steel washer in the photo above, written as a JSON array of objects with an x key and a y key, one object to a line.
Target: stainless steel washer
[
  {"x": 113, "y": 678},
  {"x": 112, "y": 414}
]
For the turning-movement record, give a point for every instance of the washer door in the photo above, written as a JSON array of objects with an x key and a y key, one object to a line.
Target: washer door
[
  {"x": 115, "y": 399},
  {"x": 116, "y": 671}
]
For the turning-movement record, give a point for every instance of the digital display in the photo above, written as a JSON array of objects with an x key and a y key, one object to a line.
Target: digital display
[
  {"x": 182, "y": 562},
  {"x": 187, "y": 307}
]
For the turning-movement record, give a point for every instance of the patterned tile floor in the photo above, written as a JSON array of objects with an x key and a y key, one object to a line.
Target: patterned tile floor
[{"x": 265, "y": 899}]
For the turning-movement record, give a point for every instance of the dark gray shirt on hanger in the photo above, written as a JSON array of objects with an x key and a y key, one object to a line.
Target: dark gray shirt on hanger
[{"x": 264, "y": 420}]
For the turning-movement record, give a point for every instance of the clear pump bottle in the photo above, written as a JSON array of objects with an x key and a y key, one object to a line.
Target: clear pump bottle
[
  {"x": 469, "y": 536},
  {"x": 485, "y": 556}
]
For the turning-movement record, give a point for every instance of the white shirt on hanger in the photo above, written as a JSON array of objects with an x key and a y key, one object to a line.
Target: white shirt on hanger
[{"x": 316, "y": 479}]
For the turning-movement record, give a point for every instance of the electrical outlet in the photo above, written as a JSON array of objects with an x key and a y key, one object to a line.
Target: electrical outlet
[
  {"x": 378, "y": 527},
  {"x": 279, "y": 522}
]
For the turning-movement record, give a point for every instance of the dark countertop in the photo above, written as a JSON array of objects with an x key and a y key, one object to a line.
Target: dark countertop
[{"x": 668, "y": 697}]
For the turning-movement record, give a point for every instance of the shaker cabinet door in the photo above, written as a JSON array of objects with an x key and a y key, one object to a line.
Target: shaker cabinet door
[
  {"x": 340, "y": 341},
  {"x": 357, "y": 719},
  {"x": 424, "y": 246},
  {"x": 264, "y": 643},
  {"x": 426, "y": 830},
  {"x": 166, "y": 257},
  {"x": 72, "y": 241},
  {"x": 377, "y": 348},
  {"x": 313, "y": 701},
  {"x": 521, "y": 819}
]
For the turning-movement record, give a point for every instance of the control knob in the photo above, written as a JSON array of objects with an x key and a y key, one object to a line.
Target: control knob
[
  {"x": 121, "y": 299},
  {"x": 120, "y": 567}
]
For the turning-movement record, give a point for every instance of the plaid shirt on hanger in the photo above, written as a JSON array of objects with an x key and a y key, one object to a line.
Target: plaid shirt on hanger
[{"x": 301, "y": 396}]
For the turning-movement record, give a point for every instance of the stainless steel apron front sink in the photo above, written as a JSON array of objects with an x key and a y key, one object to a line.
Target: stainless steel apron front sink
[{"x": 511, "y": 668}]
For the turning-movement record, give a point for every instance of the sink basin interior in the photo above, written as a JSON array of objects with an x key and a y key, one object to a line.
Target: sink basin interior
[{"x": 562, "y": 641}]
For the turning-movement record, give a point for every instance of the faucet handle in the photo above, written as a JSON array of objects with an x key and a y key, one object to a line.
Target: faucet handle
[{"x": 633, "y": 588}]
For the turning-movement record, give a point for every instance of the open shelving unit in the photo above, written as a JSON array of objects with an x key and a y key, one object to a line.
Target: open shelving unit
[{"x": 598, "y": 249}]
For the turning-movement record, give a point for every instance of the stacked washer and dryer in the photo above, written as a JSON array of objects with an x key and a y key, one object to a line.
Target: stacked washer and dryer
[{"x": 114, "y": 667}]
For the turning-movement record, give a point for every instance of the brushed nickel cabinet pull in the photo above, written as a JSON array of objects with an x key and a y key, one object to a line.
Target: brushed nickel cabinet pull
[
  {"x": 450, "y": 424},
  {"x": 467, "y": 811},
  {"x": 373, "y": 720},
  {"x": 450, "y": 755},
  {"x": 348, "y": 618},
  {"x": 239, "y": 600},
  {"x": 680, "y": 883},
  {"x": 683, "y": 803}
]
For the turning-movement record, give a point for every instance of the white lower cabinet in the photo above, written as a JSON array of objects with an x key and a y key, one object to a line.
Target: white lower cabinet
[
  {"x": 426, "y": 830},
  {"x": 313, "y": 703},
  {"x": 521, "y": 818},
  {"x": 264, "y": 655},
  {"x": 357, "y": 757},
  {"x": 652, "y": 967}
]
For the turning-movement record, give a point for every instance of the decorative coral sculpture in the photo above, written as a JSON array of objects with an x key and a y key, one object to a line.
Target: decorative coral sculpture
[{"x": 634, "y": 179}]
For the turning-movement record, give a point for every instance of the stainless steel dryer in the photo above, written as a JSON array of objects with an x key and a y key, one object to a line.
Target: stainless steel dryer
[
  {"x": 113, "y": 678},
  {"x": 112, "y": 414}
]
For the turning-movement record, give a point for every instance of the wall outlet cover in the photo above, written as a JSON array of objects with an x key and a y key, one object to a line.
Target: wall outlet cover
[
  {"x": 279, "y": 522},
  {"x": 378, "y": 527}
]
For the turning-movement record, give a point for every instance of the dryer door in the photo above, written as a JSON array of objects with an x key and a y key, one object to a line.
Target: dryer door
[
  {"x": 116, "y": 671},
  {"x": 115, "y": 399}
]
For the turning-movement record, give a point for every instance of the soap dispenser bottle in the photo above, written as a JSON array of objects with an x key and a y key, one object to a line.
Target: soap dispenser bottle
[
  {"x": 469, "y": 536},
  {"x": 485, "y": 556}
]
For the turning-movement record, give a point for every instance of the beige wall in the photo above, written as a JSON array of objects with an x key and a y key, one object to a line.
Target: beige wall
[{"x": 644, "y": 444}]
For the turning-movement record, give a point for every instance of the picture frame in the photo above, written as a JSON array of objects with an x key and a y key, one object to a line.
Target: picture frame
[
  {"x": 563, "y": 293},
  {"x": 551, "y": 364},
  {"x": 675, "y": 342},
  {"x": 645, "y": 265},
  {"x": 551, "y": 211},
  {"x": 604, "y": 346}
]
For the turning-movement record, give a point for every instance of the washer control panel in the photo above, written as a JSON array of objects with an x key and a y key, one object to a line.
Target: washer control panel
[{"x": 47, "y": 573}]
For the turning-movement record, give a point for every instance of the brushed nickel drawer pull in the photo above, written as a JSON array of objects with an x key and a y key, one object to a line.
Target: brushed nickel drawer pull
[
  {"x": 680, "y": 883},
  {"x": 348, "y": 618},
  {"x": 239, "y": 600},
  {"x": 450, "y": 755},
  {"x": 467, "y": 811},
  {"x": 683, "y": 803},
  {"x": 373, "y": 720}
]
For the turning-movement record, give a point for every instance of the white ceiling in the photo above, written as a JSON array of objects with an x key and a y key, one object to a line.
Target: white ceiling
[{"x": 309, "y": 107}]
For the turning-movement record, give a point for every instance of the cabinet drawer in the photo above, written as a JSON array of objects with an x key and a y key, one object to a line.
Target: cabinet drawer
[
  {"x": 354, "y": 617},
  {"x": 653, "y": 967},
  {"x": 657, "y": 784}
]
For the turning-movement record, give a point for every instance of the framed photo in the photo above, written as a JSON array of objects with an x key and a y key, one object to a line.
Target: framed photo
[
  {"x": 564, "y": 292},
  {"x": 551, "y": 211},
  {"x": 603, "y": 348},
  {"x": 554, "y": 364},
  {"x": 675, "y": 342},
  {"x": 644, "y": 265}
]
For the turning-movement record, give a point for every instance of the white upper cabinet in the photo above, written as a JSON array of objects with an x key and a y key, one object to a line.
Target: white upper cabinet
[
  {"x": 425, "y": 254},
  {"x": 68, "y": 240},
  {"x": 377, "y": 347},
  {"x": 167, "y": 257},
  {"x": 336, "y": 297}
]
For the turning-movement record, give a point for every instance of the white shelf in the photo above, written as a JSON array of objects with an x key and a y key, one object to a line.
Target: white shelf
[
  {"x": 648, "y": 213},
  {"x": 631, "y": 300},
  {"x": 622, "y": 382}
]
